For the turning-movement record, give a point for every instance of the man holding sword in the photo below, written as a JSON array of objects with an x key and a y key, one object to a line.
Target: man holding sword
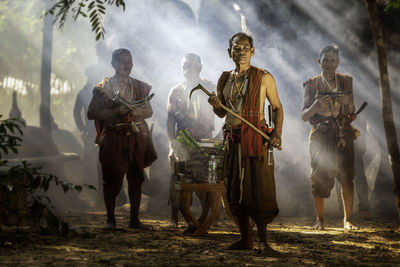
[{"x": 248, "y": 167}]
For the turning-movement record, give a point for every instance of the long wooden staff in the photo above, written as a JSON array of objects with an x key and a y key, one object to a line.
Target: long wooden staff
[{"x": 199, "y": 86}]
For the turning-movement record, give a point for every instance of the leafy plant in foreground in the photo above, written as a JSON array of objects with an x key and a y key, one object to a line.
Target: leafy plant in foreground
[{"x": 22, "y": 181}]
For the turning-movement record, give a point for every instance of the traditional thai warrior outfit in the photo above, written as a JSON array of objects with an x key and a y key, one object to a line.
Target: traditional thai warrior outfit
[
  {"x": 125, "y": 144},
  {"x": 248, "y": 167},
  {"x": 331, "y": 140}
]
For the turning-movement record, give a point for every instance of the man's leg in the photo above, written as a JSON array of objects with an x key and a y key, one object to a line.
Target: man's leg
[
  {"x": 174, "y": 213},
  {"x": 173, "y": 198},
  {"x": 174, "y": 201},
  {"x": 319, "y": 208},
  {"x": 262, "y": 245},
  {"x": 346, "y": 173},
  {"x": 111, "y": 187},
  {"x": 135, "y": 180},
  {"x": 246, "y": 241},
  {"x": 348, "y": 196},
  {"x": 113, "y": 167}
]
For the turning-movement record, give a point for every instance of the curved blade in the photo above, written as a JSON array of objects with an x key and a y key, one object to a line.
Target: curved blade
[
  {"x": 199, "y": 86},
  {"x": 133, "y": 103}
]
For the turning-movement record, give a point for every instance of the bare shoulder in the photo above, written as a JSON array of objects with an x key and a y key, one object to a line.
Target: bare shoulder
[
  {"x": 267, "y": 79},
  {"x": 344, "y": 76},
  {"x": 267, "y": 75},
  {"x": 103, "y": 83},
  {"x": 101, "y": 87},
  {"x": 175, "y": 91}
]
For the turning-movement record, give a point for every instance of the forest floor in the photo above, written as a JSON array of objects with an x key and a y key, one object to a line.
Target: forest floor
[{"x": 377, "y": 243}]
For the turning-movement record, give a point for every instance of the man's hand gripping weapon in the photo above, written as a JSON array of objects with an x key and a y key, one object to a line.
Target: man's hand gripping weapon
[{"x": 199, "y": 86}]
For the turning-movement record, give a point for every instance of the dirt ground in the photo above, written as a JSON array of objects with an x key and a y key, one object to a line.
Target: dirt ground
[{"x": 377, "y": 243}]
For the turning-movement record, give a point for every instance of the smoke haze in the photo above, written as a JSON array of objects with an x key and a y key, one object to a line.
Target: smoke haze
[{"x": 287, "y": 38}]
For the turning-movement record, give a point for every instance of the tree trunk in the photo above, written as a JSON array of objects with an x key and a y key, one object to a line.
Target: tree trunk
[
  {"x": 387, "y": 113},
  {"x": 45, "y": 85},
  {"x": 47, "y": 47}
]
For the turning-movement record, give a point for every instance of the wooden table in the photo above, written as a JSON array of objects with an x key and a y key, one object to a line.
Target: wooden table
[{"x": 214, "y": 194}]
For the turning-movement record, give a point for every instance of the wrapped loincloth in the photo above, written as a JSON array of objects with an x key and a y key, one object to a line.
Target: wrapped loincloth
[
  {"x": 251, "y": 192},
  {"x": 328, "y": 160}
]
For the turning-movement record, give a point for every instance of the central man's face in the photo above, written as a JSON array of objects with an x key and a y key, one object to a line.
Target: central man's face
[
  {"x": 125, "y": 64},
  {"x": 190, "y": 68},
  {"x": 329, "y": 61},
  {"x": 241, "y": 51}
]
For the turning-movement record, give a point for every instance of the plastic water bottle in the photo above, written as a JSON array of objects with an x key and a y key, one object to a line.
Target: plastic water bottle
[{"x": 212, "y": 165}]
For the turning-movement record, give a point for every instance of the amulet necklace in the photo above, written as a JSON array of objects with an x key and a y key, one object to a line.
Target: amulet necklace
[{"x": 240, "y": 92}]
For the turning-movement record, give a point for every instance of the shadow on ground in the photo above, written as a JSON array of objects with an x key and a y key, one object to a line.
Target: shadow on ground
[{"x": 376, "y": 243}]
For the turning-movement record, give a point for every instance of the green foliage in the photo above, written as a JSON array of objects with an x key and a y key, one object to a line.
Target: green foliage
[
  {"x": 9, "y": 142},
  {"x": 92, "y": 9},
  {"x": 22, "y": 180},
  {"x": 185, "y": 138},
  {"x": 391, "y": 4}
]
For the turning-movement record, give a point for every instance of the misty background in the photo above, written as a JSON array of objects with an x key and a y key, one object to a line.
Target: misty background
[{"x": 287, "y": 38}]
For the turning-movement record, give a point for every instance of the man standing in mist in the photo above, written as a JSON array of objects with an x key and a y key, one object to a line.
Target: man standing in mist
[
  {"x": 123, "y": 135},
  {"x": 194, "y": 115},
  {"x": 328, "y": 104},
  {"x": 248, "y": 159}
]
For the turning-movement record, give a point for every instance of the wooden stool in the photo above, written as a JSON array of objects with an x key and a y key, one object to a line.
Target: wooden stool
[{"x": 214, "y": 194}]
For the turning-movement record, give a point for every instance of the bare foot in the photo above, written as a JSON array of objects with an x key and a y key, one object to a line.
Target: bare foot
[
  {"x": 241, "y": 245},
  {"x": 347, "y": 225},
  {"x": 319, "y": 225},
  {"x": 263, "y": 248}
]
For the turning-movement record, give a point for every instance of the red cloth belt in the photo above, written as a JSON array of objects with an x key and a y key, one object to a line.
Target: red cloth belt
[{"x": 234, "y": 133}]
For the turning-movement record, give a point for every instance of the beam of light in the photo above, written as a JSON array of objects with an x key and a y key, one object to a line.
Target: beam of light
[
  {"x": 159, "y": 35},
  {"x": 236, "y": 7},
  {"x": 11, "y": 84}
]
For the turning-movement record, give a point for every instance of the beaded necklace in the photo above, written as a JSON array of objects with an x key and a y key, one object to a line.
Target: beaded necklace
[
  {"x": 328, "y": 85},
  {"x": 341, "y": 142},
  {"x": 241, "y": 91}
]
